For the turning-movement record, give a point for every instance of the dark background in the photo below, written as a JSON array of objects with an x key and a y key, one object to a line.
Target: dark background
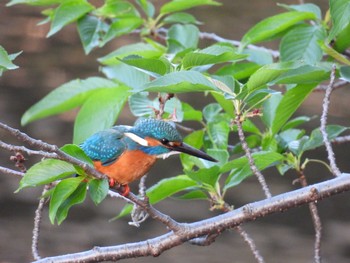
[{"x": 48, "y": 63}]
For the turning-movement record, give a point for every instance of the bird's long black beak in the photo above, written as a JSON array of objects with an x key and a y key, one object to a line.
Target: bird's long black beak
[{"x": 185, "y": 148}]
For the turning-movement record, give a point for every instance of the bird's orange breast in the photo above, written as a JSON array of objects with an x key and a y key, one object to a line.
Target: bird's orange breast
[{"x": 130, "y": 166}]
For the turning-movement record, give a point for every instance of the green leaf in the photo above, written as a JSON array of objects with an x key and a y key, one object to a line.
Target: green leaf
[
  {"x": 219, "y": 154},
  {"x": 140, "y": 49},
  {"x": 120, "y": 27},
  {"x": 180, "y": 5},
  {"x": 67, "y": 12},
  {"x": 181, "y": 37},
  {"x": 305, "y": 74},
  {"x": 269, "y": 109},
  {"x": 127, "y": 75},
  {"x": 65, "y": 97},
  {"x": 193, "y": 195},
  {"x": 194, "y": 139},
  {"x": 98, "y": 190},
  {"x": 316, "y": 138},
  {"x": 163, "y": 189},
  {"x": 333, "y": 53},
  {"x": 273, "y": 25},
  {"x": 345, "y": 73},
  {"x": 295, "y": 122},
  {"x": 268, "y": 73},
  {"x": 76, "y": 152},
  {"x": 100, "y": 111},
  {"x": 89, "y": 28},
  {"x": 179, "y": 82},
  {"x": 141, "y": 105},
  {"x": 205, "y": 176},
  {"x": 218, "y": 134},
  {"x": 301, "y": 43},
  {"x": 116, "y": 9},
  {"x": 308, "y": 7},
  {"x": 215, "y": 54},
  {"x": 6, "y": 60},
  {"x": 152, "y": 66},
  {"x": 290, "y": 102},
  {"x": 77, "y": 197},
  {"x": 226, "y": 104},
  {"x": 211, "y": 111},
  {"x": 240, "y": 168},
  {"x": 343, "y": 40},
  {"x": 46, "y": 171},
  {"x": 181, "y": 18},
  {"x": 340, "y": 14},
  {"x": 60, "y": 194},
  {"x": 190, "y": 114}
]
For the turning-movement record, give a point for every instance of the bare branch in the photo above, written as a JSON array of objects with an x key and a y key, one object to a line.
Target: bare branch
[
  {"x": 336, "y": 85},
  {"x": 325, "y": 107},
  {"x": 341, "y": 139},
  {"x": 315, "y": 219},
  {"x": 155, "y": 246},
  {"x": 248, "y": 154},
  {"x": 37, "y": 221},
  {"x": 15, "y": 148},
  {"x": 8, "y": 171},
  {"x": 251, "y": 243}
]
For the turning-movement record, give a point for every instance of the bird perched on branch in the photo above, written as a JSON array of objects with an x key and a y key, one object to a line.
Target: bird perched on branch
[{"x": 126, "y": 153}]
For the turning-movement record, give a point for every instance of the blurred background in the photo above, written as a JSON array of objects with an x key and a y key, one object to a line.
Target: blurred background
[{"x": 48, "y": 63}]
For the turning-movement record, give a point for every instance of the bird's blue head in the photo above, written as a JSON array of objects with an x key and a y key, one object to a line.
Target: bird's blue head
[{"x": 162, "y": 138}]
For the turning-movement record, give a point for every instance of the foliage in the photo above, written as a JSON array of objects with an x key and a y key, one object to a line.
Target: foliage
[{"x": 245, "y": 84}]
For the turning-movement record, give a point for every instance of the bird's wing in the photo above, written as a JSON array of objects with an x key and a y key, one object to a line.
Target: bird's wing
[{"x": 105, "y": 146}]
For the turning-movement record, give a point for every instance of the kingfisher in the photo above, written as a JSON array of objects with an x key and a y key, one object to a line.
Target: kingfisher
[{"x": 126, "y": 153}]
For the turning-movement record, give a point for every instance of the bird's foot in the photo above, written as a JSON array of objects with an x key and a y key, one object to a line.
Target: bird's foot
[{"x": 122, "y": 189}]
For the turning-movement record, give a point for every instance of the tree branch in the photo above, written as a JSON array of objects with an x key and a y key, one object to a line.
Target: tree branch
[
  {"x": 325, "y": 107},
  {"x": 249, "y": 212},
  {"x": 248, "y": 154}
]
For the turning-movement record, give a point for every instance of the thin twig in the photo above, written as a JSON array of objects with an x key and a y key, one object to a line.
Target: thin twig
[
  {"x": 250, "y": 243},
  {"x": 11, "y": 147},
  {"x": 325, "y": 107},
  {"x": 139, "y": 215},
  {"x": 249, "y": 212},
  {"x": 11, "y": 172},
  {"x": 336, "y": 85},
  {"x": 37, "y": 220},
  {"x": 248, "y": 154},
  {"x": 315, "y": 219},
  {"x": 341, "y": 139}
]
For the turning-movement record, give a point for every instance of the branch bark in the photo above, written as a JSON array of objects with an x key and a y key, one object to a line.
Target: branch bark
[{"x": 249, "y": 212}]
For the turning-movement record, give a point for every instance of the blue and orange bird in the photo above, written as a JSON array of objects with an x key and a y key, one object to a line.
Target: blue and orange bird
[{"x": 126, "y": 153}]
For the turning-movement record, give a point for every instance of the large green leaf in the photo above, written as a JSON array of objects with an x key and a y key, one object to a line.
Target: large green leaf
[
  {"x": 141, "y": 49},
  {"x": 214, "y": 54},
  {"x": 182, "y": 37},
  {"x": 65, "y": 97},
  {"x": 152, "y": 66},
  {"x": 179, "y": 5},
  {"x": 67, "y": 12},
  {"x": 205, "y": 176},
  {"x": 240, "y": 168},
  {"x": 120, "y": 27},
  {"x": 89, "y": 29},
  {"x": 194, "y": 139},
  {"x": 269, "y": 109},
  {"x": 218, "y": 133},
  {"x": 345, "y": 72},
  {"x": 290, "y": 102},
  {"x": 268, "y": 73},
  {"x": 127, "y": 75},
  {"x": 99, "y": 112},
  {"x": 274, "y": 25},
  {"x": 308, "y": 7},
  {"x": 301, "y": 43},
  {"x": 76, "y": 152},
  {"x": 179, "y": 82},
  {"x": 116, "y": 9},
  {"x": 60, "y": 195},
  {"x": 163, "y": 189},
  {"x": 333, "y": 53},
  {"x": 340, "y": 14},
  {"x": 98, "y": 190},
  {"x": 181, "y": 17},
  {"x": 46, "y": 171},
  {"x": 77, "y": 197}
]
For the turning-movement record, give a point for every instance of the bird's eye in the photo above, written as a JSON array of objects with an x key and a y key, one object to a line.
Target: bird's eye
[{"x": 164, "y": 141}]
